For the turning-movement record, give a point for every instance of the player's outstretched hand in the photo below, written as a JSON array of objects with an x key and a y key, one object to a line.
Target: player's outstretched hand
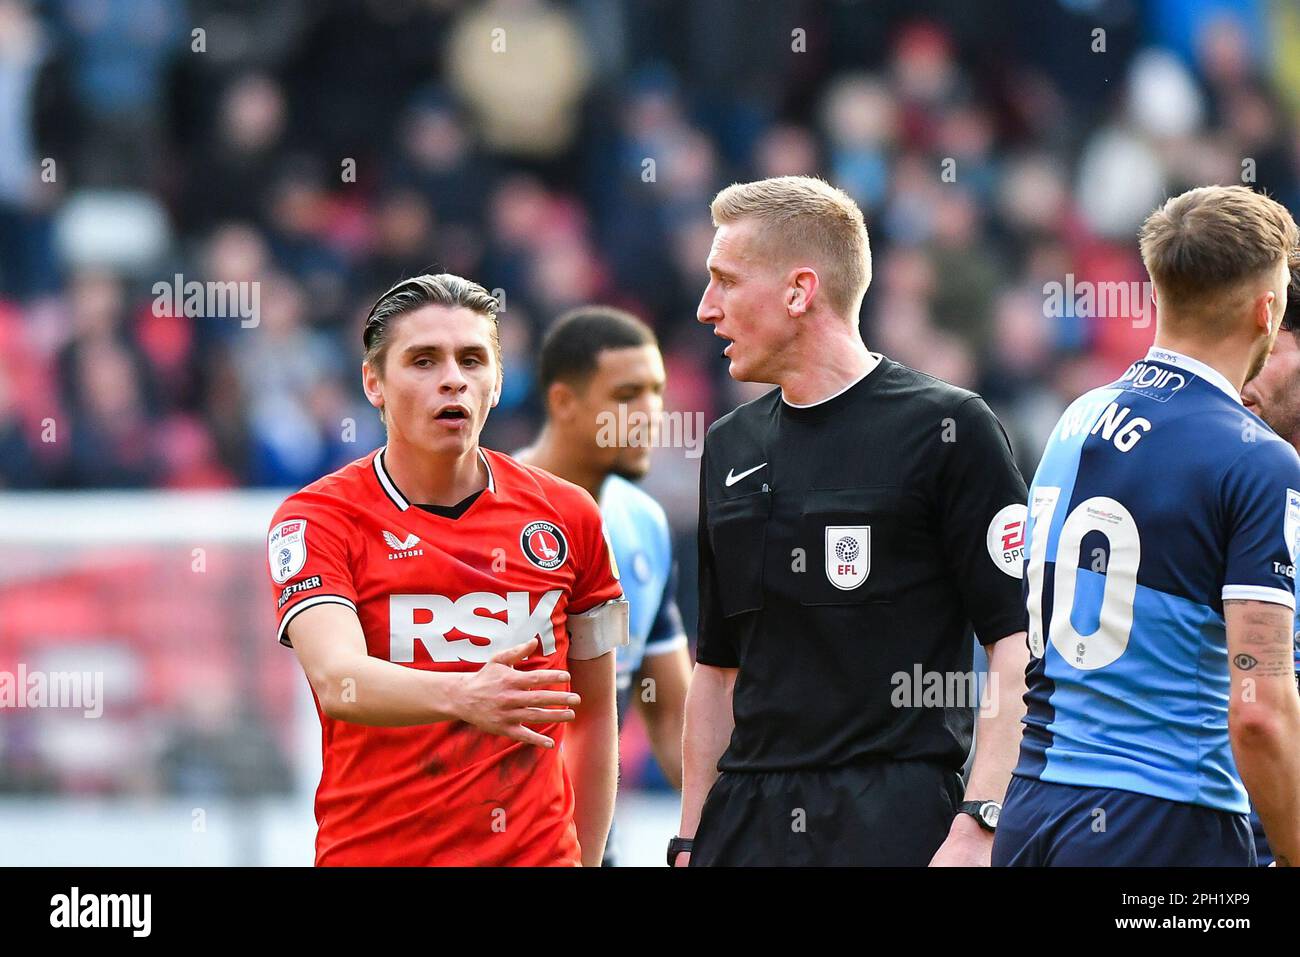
[{"x": 500, "y": 699}]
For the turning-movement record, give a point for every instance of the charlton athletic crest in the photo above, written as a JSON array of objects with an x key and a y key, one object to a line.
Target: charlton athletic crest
[
  {"x": 848, "y": 555},
  {"x": 543, "y": 544}
]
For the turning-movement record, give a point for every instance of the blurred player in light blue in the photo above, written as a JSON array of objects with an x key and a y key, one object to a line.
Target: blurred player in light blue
[
  {"x": 602, "y": 378},
  {"x": 1164, "y": 526},
  {"x": 1274, "y": 395}
]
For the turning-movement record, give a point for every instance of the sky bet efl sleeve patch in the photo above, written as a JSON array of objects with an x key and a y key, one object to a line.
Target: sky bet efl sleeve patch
[{"x": 286, "y": 548}]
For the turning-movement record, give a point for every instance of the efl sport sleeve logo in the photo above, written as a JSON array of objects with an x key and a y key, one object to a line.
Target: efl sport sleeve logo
[
  {"x": 1006, "y": 539},
  {"x": 1291, "y": 527},
  {"x": 286, "y": 549}
]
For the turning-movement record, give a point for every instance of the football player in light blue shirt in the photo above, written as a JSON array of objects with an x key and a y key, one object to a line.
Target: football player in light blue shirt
[
  {"x": 1164, "y": 524},
  {"x": 602, "y": 379}
]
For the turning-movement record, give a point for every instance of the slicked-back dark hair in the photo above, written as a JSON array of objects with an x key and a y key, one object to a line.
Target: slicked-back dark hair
[
  {"x": 573, "y": 344},
  {"x": 431, "y": 289}
]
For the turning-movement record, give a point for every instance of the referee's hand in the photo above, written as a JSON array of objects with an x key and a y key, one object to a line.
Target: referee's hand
[
  {"x": 967, "y": 845},
  {"x": 500, "y": 700}
]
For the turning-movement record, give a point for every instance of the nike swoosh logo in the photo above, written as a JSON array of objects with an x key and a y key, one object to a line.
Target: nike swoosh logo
[{"x": 732, "y": 479}]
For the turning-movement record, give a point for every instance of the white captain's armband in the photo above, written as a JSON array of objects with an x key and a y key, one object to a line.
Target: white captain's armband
[{"x": 598, "y": 631}]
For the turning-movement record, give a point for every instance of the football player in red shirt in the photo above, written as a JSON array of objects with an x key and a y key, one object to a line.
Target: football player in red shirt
[{"x": 455, "y": 612}]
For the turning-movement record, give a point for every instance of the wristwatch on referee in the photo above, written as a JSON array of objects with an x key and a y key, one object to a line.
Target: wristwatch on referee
[
  {"x": 985, "y": 812},
  {"x": 677, "y": 846}
]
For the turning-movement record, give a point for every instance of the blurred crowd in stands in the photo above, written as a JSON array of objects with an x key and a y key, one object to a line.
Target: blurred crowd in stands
[
  {"x": 559, "y": 153},
  {"x": 563, "y": 153}
]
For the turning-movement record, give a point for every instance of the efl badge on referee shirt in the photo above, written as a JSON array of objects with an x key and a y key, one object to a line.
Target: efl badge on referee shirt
[
  {"x": 1292, "y": 526},
  {"x": 286, "y": 549},
  {"x": 848, "y": 555}
]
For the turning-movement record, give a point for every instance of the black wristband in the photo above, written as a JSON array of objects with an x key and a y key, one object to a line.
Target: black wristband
[
  {"x": 985, "y": 812},
  {"x": 676, "y": 846}
]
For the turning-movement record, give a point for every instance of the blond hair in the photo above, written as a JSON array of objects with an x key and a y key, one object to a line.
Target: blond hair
[
  {"x": 805, "y": 216},
  {"x": 1204, "y": 246}
]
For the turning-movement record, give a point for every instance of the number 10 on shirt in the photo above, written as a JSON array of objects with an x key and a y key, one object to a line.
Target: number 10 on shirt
[{"x": 1108, "y": 640}]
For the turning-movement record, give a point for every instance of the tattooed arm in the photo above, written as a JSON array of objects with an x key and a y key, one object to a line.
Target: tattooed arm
[{"x": 1264, "y": 718}]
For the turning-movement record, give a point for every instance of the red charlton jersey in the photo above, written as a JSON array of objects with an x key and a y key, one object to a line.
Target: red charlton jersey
[{"x": 443, "y": 594}]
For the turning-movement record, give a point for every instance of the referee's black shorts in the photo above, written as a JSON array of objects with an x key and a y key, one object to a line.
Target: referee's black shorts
[{"x": 878, "y": 813}]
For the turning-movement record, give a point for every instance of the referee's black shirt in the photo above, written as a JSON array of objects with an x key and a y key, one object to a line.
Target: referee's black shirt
[{"x": 927, "y": 467}]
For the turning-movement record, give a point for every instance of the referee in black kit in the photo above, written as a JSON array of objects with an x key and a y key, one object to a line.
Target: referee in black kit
[{"x": 855, "y": 523}]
